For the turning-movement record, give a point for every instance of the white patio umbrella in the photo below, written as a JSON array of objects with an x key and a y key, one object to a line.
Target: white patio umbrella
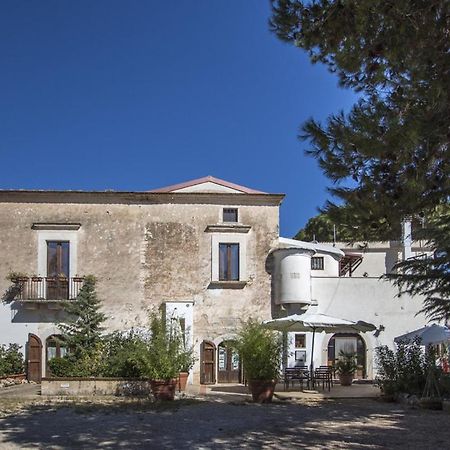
[
  {"x": 312, "y": 321},
  {"x": 428, "y": 335}
]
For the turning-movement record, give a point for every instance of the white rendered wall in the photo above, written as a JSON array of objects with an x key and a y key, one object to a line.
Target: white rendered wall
[{"x": 371, "y": 300}]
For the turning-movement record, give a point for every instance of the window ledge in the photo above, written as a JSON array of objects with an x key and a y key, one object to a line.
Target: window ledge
[
  {"x": 228, "y": 228},
  {"x": 227, "y": 284}
]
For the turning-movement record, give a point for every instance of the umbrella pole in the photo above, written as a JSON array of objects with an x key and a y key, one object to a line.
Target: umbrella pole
[{"x": 311, "y": 368}]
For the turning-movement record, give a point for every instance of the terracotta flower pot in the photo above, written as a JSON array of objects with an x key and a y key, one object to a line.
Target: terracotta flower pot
[
  {"x": 345, "y": 379},
  {"x": 182, "y": 381},
  {"x": 262, "y": 390},
  {"x": 164, "y": 389}
]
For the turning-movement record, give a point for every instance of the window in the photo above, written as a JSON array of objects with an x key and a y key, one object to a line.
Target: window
[
  {"x": 300, "y": 340},
  {"x": 317, "y": 263},
  {"x": 230, "y": 214},
  {"x": 55, "y": 348},
  {"x": 228, "y": 262},
  {"x": 57, "y": 258}
]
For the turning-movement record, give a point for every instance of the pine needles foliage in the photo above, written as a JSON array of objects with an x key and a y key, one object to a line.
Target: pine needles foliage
[{"x": 389, "y": 157}]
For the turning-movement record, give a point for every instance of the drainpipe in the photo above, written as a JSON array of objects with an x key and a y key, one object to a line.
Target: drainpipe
[{"x": 406, "y": 237}]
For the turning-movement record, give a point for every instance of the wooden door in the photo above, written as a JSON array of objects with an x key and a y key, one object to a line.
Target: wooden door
[
  {"x": 58, "y": 270},
  {"x": 229, "y": 364},
  {"x": 34, "y": 358},
  {"x": 207, "y": 363}
]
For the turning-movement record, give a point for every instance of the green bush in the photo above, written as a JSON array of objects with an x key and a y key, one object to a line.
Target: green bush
[
  {"x": 126, "y": 355},
  {"x": 404, "y": 370},
  {"x": 61, "y": 367},
  {"x": 260, "y": 350},
  {"x": 11, "y": 360},
  {"x": 165, "y": 348}
]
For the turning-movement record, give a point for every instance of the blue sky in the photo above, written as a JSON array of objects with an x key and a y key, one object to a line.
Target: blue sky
[{"x": 135, "y": 95}]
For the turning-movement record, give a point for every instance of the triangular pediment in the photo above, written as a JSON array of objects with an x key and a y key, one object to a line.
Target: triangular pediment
[{"x": 208, "y": 185}]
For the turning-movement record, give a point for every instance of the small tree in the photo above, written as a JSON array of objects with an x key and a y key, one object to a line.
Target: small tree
[
  {"x": 82, "y": 331},
  {"x": 81, "y": 334},
  {"x": 11, "y": 360}
]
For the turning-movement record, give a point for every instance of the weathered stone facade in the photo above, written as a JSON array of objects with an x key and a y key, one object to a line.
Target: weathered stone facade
[{"x": 145, "y": 249}]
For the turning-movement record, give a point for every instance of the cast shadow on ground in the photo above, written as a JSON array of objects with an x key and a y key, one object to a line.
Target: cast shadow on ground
[{"x": 210, "y": 424}]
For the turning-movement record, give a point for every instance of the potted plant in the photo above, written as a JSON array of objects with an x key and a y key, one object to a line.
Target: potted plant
[
  {"x": 345, "y": 367},
  {"x": 186, "y": 361},
  {"x": 260, "y": 350},
  {"x": 165, "y": 347},
  {"x": 17, "y": 277}
]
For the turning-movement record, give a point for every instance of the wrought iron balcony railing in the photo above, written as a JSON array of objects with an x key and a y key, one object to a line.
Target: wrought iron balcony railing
[{"x": 37, "y": 289}]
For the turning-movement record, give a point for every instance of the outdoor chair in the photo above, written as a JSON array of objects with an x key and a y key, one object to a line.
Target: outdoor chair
[
  {"x": 324, "y": 375},
  {"x": 299, "y": 373}
]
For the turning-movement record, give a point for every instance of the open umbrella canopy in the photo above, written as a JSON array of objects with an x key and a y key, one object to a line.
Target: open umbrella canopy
[
  {"x": 314, "y": 321},
  {"x": 317, "y": 322},
  {"x": 428, "y": 335}
]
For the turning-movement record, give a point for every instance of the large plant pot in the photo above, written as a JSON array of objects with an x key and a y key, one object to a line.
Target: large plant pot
[
  {"x": 262, "y": 390},
  {"x": 431, "y": 403},
  {"x": 163, "y": 389},
  {"x": 346, "y": 379},
  {"x": 182, "y": 381}
]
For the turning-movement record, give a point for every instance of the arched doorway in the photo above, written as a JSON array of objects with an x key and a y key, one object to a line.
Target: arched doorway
[
  {"x": 349, "y": 343},
  {"x": 207, "y": 363},
  {"x": 228, "y": 363},
  {"x": 34, "y": 358},
  {"x": 54, "y": 348}
]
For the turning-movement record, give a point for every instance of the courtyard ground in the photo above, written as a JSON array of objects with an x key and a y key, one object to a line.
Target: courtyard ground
[{"x": 218, "y": 421}]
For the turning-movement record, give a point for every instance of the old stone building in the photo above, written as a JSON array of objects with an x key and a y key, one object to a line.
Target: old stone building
[
  {"x": 208, "y": 251},
  {"x": 198, "y": 248}
]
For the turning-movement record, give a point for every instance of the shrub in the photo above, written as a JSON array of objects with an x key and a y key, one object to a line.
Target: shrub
[
  {"x": 165, "y": 348},
  {"x": 61, "y": 367},
  {"x": 402, "y": 371},
  {"x": 11, "y": 360},
  {"x": 260, "y": 350},
  {"x": 126, "y": 355}
]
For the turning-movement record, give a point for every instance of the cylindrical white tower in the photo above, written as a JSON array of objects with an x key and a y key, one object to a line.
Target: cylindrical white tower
[{"x": 292, "y": 271}]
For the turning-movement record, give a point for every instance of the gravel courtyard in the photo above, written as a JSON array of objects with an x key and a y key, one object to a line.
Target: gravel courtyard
[{"x": 216, "y": 423}]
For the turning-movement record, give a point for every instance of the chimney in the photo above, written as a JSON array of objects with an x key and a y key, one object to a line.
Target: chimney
[{"x": 406, "y": 237}]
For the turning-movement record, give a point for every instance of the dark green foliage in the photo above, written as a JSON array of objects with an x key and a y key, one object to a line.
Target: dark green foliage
[
  {"x": 61, "y": 367},
  {"x": 260, "y": 350},
  {"x": 11, "y": 360},
  {"x": 346, "y": 363},
  {"x": 444, "y": 385},
  {"x": 165, "y": 348},
  {"x": 430, "y": 276},
  {"x": 390, "y": 156},
  {"x": 81, "y": 333},
  {"x": 82, "y": 330},
  {"x": 402, "y": 371},
  {"x": 126, "y": 355}
]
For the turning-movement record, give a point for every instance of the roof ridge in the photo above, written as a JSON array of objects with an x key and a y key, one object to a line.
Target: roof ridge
[{"x": 208, "y": 178}]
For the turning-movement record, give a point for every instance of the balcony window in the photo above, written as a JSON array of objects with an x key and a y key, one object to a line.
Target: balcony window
[{"x": 228, "y": 262}]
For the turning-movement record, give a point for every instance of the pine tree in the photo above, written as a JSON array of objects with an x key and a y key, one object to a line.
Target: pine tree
[
  {"x": 82, "y": 330},
  {"x": 389, "y": 157}
]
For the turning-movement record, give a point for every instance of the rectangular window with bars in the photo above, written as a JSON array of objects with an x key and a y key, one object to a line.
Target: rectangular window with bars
[
  {"x": 230, "y": 215},
  {"x": 317, "y": 263}
]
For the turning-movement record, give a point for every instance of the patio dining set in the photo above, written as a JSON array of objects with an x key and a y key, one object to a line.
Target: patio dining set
[{"x": 321, "y": 377}]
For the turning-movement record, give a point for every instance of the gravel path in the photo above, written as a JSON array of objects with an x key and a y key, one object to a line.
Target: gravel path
[{"x": 209, "y": 424}]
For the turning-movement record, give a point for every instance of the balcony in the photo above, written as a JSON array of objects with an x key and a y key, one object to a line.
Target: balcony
[{"x": 46, "y": 289}]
